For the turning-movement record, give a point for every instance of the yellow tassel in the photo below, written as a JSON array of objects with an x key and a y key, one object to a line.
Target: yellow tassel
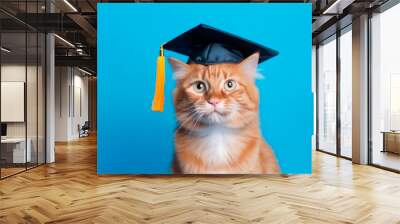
[{"x": 158, "y": 100}]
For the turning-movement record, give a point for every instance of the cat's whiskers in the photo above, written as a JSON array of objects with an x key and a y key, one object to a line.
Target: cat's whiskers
[
  {"x": 189, "y": 117},
  {"x": 195, "y": 123}
]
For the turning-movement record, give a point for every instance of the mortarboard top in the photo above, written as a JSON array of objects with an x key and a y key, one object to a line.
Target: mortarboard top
[{"x": 206, "y": 45}]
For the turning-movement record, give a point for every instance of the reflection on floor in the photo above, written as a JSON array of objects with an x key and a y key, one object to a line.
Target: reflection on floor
[
  {"x": 386, "y": 159},
  {"x": 70, "y": 191},
  {"x": 11, "y": 169}
]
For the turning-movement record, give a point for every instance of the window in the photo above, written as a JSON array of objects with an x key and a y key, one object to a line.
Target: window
[
  {"x": 334, "y": 138},
  {"x": 327, "y": 95},
  {"x": 385, "y": 89},
  {"x": 394, "y": 102},
  {"x": 346, "y": 92}
]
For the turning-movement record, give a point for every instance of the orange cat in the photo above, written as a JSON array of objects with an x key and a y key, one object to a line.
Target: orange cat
[{"x": 217, "y": 111}]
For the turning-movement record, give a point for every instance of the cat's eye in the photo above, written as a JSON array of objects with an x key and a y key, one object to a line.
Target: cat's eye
[
  {"x": 230, "y": 85},
  {"x": 199, "y": 87}
]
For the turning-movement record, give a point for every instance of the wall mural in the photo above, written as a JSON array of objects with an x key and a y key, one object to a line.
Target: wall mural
[{"x": 204, "y": 88}]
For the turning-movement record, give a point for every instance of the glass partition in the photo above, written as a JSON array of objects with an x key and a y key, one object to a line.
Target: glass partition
[
  {"x": 41, "y": 107},
  {"x": 32, "y": 96},
  {"x": 22, "y": 77},
  {"x": 14, "y": 153}
]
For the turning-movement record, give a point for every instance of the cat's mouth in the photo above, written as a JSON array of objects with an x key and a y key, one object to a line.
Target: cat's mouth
[
  {"x": 215, "y": 112},
  {"x": 216, "y": 117},
  {"x": 218, "y": 112}
]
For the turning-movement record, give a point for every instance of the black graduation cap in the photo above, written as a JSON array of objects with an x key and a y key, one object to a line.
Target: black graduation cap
[{"x": 207, "y": 45}]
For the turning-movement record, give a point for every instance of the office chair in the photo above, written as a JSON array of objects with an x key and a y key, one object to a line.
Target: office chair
[{"x": 84, "y": 130}]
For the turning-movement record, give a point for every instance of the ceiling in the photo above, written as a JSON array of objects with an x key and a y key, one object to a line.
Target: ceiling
[
  {"x": 332, "y": 15},
  {"x": 75, "y": 23}
]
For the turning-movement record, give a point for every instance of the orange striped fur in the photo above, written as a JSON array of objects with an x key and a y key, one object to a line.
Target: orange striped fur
[{"x": 217, "y": 110}]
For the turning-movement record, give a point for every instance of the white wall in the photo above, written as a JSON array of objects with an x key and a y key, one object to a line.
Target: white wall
[
  {"x": 10, "y": 73},
  {"x": 62, "y": 82},
  {"x": 71, "y": 102},
  {"x": 13, "y": 100},
  {"x": 17, "y": 73},
  {"x": 81, "y": 84}
]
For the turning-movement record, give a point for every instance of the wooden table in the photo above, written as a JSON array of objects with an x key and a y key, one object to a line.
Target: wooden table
[
  {"x": 13, "y": 150},
  {"x": 391, "y": 141}
]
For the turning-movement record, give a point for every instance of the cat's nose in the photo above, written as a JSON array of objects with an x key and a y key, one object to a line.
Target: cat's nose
[{"x": 213, "y": 102}]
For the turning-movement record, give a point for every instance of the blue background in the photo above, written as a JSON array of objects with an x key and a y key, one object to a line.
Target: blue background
[{"x": 134, "y": 140}]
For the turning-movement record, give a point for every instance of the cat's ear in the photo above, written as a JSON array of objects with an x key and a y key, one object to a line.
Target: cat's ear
[
  {"x": 180, "y": 68},
  {"x": 249, "y": 65}
]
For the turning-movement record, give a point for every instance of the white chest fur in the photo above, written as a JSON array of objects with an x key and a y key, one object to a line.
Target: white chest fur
[{"x": 218, "y": 145}]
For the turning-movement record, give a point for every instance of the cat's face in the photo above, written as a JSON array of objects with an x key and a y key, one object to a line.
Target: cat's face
[{"x": 221, "y": 94}]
